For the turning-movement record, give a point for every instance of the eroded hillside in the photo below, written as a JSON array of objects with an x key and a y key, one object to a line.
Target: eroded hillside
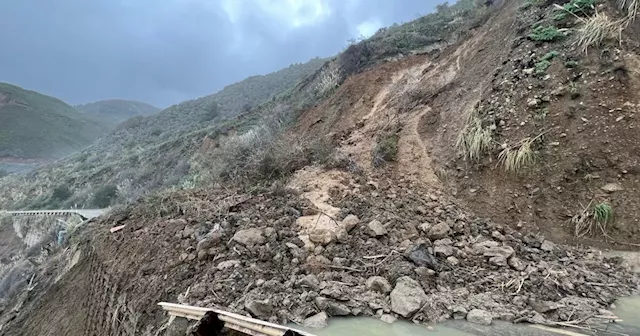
[{"x": 409, "y": 186}]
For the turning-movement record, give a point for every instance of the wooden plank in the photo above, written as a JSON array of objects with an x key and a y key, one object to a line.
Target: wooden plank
[{"x": 237, "y": 322}]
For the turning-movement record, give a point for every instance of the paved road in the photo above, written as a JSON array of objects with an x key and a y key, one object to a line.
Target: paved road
[{"x": 84, "y": 213}]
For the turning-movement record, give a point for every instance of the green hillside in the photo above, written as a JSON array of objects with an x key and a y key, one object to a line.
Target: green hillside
[
  {"x": 115, "y": 111},
  {"x": 33, "y": 125}
]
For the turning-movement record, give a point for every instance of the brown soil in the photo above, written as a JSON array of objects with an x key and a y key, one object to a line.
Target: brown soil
[{"x": 588, "y": 141}]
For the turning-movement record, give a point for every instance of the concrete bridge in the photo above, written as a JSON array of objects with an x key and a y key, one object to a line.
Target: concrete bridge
[{"x": 86, "y": 214}]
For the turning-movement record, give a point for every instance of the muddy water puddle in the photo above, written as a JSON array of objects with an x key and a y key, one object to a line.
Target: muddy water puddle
[{"x": 627, "y": 309}]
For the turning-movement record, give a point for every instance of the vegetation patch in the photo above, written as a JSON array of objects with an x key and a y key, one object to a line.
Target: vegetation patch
[
  {"x": 575, "y": 8},
  {"x": 104, "y": 196},
  {"x": 386, "y": 149},
  {"x": 593, "y": 219},
  {"x": 571, "y": 64},
  {"x": 546, "y": 34},
  {"x": 544, "y": 63}
]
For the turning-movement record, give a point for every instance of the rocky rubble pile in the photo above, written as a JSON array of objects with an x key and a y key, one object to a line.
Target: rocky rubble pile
[{"x": 398, "y": 254}]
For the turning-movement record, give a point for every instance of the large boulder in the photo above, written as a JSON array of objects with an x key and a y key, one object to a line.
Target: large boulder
[
  {"x": 319, "y": 320},
  {"x": 249, "y": 237},
  {"x": 479, "y": 316},
  {"x": 407, "y": 297}
]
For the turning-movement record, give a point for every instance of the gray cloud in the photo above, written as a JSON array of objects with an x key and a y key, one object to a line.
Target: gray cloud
[{"x": 163, "y": 52}]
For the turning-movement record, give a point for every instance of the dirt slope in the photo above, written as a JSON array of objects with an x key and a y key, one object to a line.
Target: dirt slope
[{"x": 400, "y": 237}]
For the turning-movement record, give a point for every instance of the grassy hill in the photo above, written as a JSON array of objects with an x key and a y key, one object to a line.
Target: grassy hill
[
  {"x": 229, "y": 134},
  {"x": 33, "y": 125},
  {"x": 115, "y": 111}
]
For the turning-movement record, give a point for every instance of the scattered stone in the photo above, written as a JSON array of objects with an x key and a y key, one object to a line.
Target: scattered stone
[
  {"x": 342, "y": 235},
  {"x": 407, "y": 297},
  {"x": 453, "y": 261},
  {"x": 311, "y": 281},
  {"x": 499, "y": 251},
  {"x": 547, "y": 246},
  {"x": 209, "y": 241},
  {"x": 612, "y": 187},
  {"x": 387, "y": 318},
  {"x": 187, "y": 232},
  {"x": 259, "y": 308},
  {"x": 376, "y": 228},
  {"x": 320, "y": 320},
  {"x": 424, "y": 272},
  {"x": 321, "y": 236},
  {"x": 497, "y": 235},
  {"x": 443, "y": 250},
  {"x": 498, "y": 261},
  {"x": 459, "y": 313},
  {"x": 445, "y": 241},
  {"x": 516, "y": 264},
  {"x": 228, "y": 264},
  {"x": 439, "y": 231},
  {"x": 378, "y": 284},
  {"x": 338, "y": 309},
  {"x": 350, "y": 222},
  {"x": 479, "y": 316},
  {"x": 249, "y": 237},
  {"x": 534, "y": 102},
  {"x": 528, "y": 71},
  {"x": 421, "y": 256}
]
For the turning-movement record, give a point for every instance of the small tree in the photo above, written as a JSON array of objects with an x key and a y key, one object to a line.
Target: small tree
[{"x": 104, "y": 196}]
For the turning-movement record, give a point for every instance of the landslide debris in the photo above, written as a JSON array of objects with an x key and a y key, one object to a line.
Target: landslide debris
[{"x": 222, "y": 248}]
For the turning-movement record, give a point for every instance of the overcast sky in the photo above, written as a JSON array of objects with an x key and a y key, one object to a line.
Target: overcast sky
[{"x": 166, "y": 51}]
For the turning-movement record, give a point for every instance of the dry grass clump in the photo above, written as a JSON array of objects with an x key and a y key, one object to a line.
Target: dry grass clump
[
  {"x": 598, "y": 29},
  {"x": 591, "y": 220},
  {"x": 515, "y": 158},
  {"x": 329, "y": 78},
  {"x": 475, "y": 140},
  {"x": 632, "y": 7}
]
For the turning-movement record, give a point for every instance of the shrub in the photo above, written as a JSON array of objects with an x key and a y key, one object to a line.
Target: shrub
[
  {"x": 545, "y": 62},
  {"x": 603, "y": 214},
  {"x": 546, "y": 34},
  {"x": 575, "y": 8},
  {"x": 386, "y": 149},
  {"x": 571, "y": 64},
  {"x": 61, "y": 193},
  {"x": 104, "y": 196}
]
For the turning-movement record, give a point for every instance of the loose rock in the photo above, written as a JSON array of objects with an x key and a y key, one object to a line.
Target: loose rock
[
  {"x": 350, "y": 222},
  {"x": 378, "y": 284},
  {"x": 407, "y": 297},
  {"x": 259, "y": 308},
  {"x": 249, "y": 237},
  {"x": 317, "y": 321},
  {"x": 376, "y": 229},
  {"x": 479, "y": 316},
  {"x": 439, "y": 231}
]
